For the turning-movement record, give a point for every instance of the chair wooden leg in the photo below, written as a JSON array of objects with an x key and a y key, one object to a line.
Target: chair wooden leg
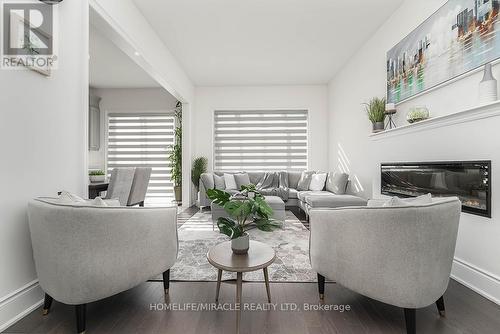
[
  {"x": 440, "y": 306},
  {"x": 141, "y": 204},
  {"x": 46, "y": 304},
  {"x": 166, "y": 282},
  {"x": 411, "y": 320},
  {"x": 80, "y": 318},
  {"x": 321, "y": 286}
]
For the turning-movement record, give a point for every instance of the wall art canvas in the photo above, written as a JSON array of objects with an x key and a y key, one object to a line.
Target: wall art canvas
[{"x": 461, "y": 36}]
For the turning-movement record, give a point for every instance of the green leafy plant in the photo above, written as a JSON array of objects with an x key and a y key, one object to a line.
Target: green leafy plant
[
  {"x": 176, "y": 154},
  {"x": 199, "y": 167},
  {"x": 247, "y": 210},
  {"x": 375, "y": 109},
  {"x": 96, "y": 173}
]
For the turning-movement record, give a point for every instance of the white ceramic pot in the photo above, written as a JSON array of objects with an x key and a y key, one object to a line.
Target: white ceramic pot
[
  {"x": 240, "y": 245},
  {"x": 97, "y": 178}
]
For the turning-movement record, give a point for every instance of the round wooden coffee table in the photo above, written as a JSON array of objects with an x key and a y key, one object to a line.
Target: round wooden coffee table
[{"x": 259, "y": 256}]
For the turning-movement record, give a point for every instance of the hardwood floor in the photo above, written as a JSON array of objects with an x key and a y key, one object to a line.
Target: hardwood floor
[{"x": 130, "y": 311}]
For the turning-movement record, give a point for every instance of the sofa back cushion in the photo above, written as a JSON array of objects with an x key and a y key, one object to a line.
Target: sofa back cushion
[
  {"x": 305, "y": 180},
  {"x": 219, "y": 182},
  {"x": 208, "y": 180},
  {"x": 255, "y": 177},
  {"x": 337, "y": 182},
  {"x": 242, "y": 179},
  {"x": 293, "y": 179}
]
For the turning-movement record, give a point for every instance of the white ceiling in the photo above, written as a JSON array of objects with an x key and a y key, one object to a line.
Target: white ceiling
[
  {"x": 264, "y": 42},
  {"x": 112, "y": 68}
]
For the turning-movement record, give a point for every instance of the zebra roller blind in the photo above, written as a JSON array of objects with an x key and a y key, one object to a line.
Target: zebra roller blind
[
  {"x": 260, "y": 140},
  {"x": 143, "y": 140}
]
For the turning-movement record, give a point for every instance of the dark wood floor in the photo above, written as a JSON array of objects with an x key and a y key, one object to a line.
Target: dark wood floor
[{"x": 129, "y": 312}]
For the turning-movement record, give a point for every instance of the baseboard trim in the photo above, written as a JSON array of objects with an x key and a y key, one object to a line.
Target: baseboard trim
[
  {"x": 19, "y": 303},
  {"x": 481, "y": 281}
]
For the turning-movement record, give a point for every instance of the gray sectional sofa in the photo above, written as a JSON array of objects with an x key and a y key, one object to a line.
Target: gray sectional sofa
[{"x": 305, "y": 199}]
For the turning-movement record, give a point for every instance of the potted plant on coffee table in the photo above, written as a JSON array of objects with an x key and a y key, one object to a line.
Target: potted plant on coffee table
[
  {"x": 247, "y": 210},
  {"x": 97, "y": 176}
]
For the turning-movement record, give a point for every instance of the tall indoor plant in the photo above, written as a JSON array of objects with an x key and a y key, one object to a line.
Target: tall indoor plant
[
  {"x": 375, "y": 109},
  {"x": 199, "y": 167},
  {"x": 176, "y": 154},
  {"x": 247, "y": 210}
]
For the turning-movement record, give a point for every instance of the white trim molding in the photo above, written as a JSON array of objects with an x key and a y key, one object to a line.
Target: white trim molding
[
  {"x": 481, "y": 281},
  {"x": 463, "y": 116},
  {"x": 19, "y": 303}
]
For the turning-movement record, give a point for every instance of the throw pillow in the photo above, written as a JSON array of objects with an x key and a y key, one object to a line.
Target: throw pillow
[
  {"x": 230, "y": 182},
  {"x": 305, "y": 180},
  {"x": 337, "y": 182},
  {"x": 242, "y": 179},
  {"x": 416, "y": 201},
  {"x": 68, "y": 198},
  {"x": 219, "y": 182},
  {"x": 207, "y": 180},
  {"x": 318, "y": 182}
]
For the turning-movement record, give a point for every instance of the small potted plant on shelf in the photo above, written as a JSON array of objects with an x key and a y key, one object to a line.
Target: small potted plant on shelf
[
  {"x": 97, "y": 176},
  {"x": 247, "y": 210},
  {"x": 417, "y": 114},
  {"x": 375, "y": 110}
]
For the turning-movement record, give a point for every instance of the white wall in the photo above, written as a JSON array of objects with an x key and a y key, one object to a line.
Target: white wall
[
  {"x": 124, "y": 24},
  {"x": 43, "y": 135},
  {"x": 364, "y": 77},
  {"x": 125, "y": 100},
  {"x": 312, "y": 98}
]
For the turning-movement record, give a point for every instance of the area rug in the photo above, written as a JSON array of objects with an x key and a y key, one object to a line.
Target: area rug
[{"x": 291, "y": 243}]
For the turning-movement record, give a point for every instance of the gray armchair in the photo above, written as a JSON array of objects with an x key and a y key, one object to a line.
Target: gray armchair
[
  {"x": 397, "y": 255},
  {"x": 84, "y": 254}
]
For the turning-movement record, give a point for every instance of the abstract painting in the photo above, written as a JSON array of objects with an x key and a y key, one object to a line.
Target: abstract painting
[{"x": 461, "y": 36}]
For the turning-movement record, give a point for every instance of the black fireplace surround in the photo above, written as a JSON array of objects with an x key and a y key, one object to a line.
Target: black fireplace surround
[{"x": 469, "y": 180}]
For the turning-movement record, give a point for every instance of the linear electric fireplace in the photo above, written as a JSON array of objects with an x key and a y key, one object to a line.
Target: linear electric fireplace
[{"x": 469, "y": 180}]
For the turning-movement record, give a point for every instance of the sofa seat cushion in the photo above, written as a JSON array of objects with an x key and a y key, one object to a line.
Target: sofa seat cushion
[
  {"x": 334, "y": 201},
  {"x": 302, "y": 195},
  {"x": 293, "y": 193}
]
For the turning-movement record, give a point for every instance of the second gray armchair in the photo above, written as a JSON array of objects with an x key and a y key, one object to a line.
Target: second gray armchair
[{"x": 397, "y": 255}]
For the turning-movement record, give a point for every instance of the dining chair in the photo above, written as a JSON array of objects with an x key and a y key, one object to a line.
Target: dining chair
[
  {"x": 139, "y": 186},
  {"x": 120, "y": 184}
]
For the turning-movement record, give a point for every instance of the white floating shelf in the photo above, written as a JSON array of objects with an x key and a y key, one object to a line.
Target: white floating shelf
[{"x": 463, "y": 116}]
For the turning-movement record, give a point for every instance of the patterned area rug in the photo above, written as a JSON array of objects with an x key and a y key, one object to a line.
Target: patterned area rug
[{"x": 291, "y": 243}]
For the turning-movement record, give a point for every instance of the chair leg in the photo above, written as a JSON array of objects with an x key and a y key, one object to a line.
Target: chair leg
[
  {"x": 411, "y": 320},
  {"x": 80, "y": 318},
  {"x": 321, "y": 286},
  {"x": 440, "y": 306},
  {"x": 141, "y": 204},
  {"x": 46, "y": 304},
  {"x": 166, "y": 282}
]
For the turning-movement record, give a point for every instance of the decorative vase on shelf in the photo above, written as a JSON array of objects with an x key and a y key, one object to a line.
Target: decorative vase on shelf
[{"x": 488, "y": 86}]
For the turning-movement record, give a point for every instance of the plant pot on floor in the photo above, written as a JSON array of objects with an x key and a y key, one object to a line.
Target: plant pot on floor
[
  {"x": 241, "y": 244},
  {"x": 378, "y": 127},
  {"x": 178, "y": 194}
]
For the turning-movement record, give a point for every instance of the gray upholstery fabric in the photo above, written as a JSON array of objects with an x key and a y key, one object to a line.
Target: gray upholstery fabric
[
  {"x": 302, "y": 195},
  {"x": 208, "y": 180},
  {"x": 83, "y": 254},
  {"x": 293, "y": 193},
  {"x": 305, "y": 180},
  {"x": 293, "y": 179},
  {"x": 242, "y": 179},
  {"x": 139, "y": 185},
  {"x": 270, "y": 185},
  {"x": 334, "y": 201},
  {"x": 219, "y": 182},
  {"x": 337, "y": 182},
  {"x": 255, "y": 177},
  {"x": 397, "y": 255},
  {"x": 120, "y": 184}
]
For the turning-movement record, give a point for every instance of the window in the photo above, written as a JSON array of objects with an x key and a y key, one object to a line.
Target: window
[
  {"x": 143, "y": 140},
  {"x": 260, "y": 140}
]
